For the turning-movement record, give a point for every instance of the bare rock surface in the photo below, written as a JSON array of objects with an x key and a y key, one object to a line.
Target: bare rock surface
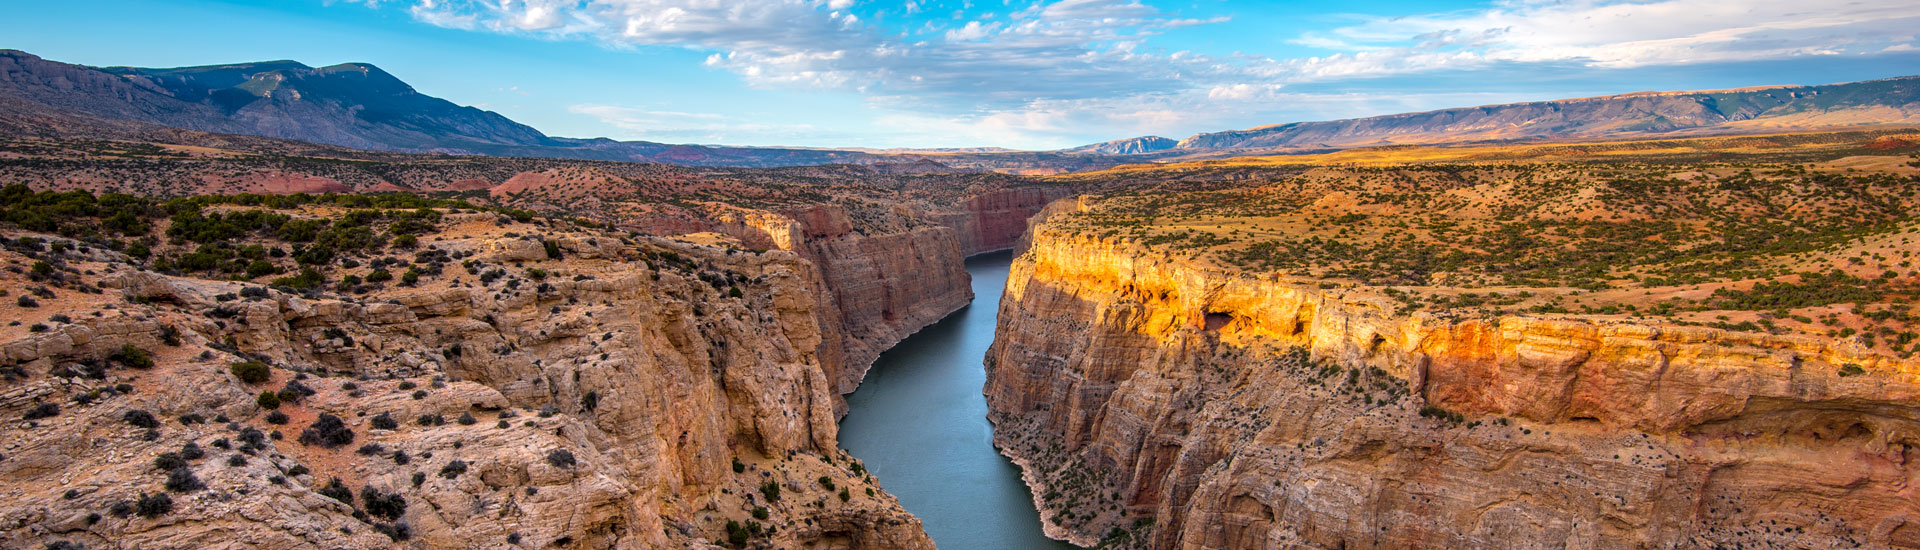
[
  {"x": 1154, "y": 403},
  {"x": 631, "y": 393}
]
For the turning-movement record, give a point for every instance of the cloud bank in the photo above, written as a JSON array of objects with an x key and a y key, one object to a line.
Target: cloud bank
[{"x": 1036, "y": 72}]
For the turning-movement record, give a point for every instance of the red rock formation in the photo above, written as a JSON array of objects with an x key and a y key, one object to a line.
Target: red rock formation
[
  {"x": 1132, "y": 386},
  {"x": 995, "y": 220}
]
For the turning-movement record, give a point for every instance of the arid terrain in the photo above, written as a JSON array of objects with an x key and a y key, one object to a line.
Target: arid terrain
[
  {"x": 1698, "y": 343},
  {"x": 364, "y": 370},
  {"x": 272, "y": 305}
]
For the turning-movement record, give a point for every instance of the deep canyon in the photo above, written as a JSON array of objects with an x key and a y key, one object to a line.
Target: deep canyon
[
  {"x": 1162, "y": 402},
  {"x": 1349, "y": 351}
]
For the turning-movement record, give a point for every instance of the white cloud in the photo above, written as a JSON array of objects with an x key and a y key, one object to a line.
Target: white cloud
[
  {"x": 1048, "y": 69},
  {"x": 1625, "y": 34},
  {"x": 649, "y": 124}
]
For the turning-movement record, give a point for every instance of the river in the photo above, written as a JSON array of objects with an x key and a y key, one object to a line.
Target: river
[{"x": 919, "y": 422}]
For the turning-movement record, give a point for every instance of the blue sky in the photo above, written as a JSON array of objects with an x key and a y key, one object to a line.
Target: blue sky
[{"x": 1031, "y": 74}]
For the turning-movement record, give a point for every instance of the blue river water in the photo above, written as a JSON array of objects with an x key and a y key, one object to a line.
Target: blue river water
[{"x": 919, "y": 422}]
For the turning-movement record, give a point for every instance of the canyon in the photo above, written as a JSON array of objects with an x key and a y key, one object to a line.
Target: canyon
[
  {"x": 1158, "y": 396},
  {"x": 1447, "y": 347},
  {"x": 576, "y": 387}
]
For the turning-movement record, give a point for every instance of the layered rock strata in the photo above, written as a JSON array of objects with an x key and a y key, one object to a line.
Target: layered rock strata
[
  {"x": 872, "y": 289},
  {"x": 995, "y": 220},
  {"x": 1154, "y": 403},
  {"x": 619, "y": 399}
]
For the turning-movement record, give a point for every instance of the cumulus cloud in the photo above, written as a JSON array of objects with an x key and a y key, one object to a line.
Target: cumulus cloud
[
  {"x": 1050, "y": 50},
  {"x": 1610, "y": 34},
  {"x": 1041, "y": 67},
  {"x": 650, "y": 124}
]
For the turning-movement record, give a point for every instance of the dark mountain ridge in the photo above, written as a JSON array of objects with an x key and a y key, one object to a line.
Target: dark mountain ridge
[
  {"x": 1772, "y": 108},
  {"x": 360, "y": 106}
]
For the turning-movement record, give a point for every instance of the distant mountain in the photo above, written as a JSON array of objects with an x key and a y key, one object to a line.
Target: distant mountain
[
  {"x": 350, "y": 105},
  {"x": 1128, "y": 146},
  {"x": 354, "y": 105},
  {"x": 1888, "y": 101},
  {"x": 359, "y": 106}
]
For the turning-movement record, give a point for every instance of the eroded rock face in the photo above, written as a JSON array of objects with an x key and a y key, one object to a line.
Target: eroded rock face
[
  {"x": 995, "y": 220},
  {"x": 611, "y": 402},
  {"x": 872, "y": 289},
  {"x": 881, "y": 288},
  {"x": 1235, "y": 411}
]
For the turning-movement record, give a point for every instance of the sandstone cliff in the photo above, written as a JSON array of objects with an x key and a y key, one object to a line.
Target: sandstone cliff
[
  {"x": 994, "y": 220},
  {"x": 1153, "y": 403},
  {"x": 637, "y": 394}
]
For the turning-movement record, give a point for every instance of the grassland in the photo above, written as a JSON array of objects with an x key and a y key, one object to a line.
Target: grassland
[{"x": 1802, "y": 233}]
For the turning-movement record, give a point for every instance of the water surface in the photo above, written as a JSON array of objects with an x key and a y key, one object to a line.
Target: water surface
[{"x": 919, "y": 422}]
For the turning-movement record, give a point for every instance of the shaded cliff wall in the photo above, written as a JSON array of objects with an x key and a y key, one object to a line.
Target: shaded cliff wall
[
  {"x": 654, "y": 380},
  {"x": 1130, "y": 386},
  {"x": 876, "y": 289},
  {"x": 995, "y": 220}
]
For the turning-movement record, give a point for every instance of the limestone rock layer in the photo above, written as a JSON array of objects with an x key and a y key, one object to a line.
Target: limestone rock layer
[
  {"x": 1154, "y": 403},
  {"x": 633, "y": 395}
]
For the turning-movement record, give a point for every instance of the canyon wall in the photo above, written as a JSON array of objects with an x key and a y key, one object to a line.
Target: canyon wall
[
  {"x": 873, "y": 290},
  {"x": 876, "y": 289},
  {"x": 995, "y": 220},
  {"x": 1156, "y": 403},
  {"x": 677, "y": 405}
]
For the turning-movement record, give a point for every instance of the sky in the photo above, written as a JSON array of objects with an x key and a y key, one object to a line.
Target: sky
[{"x": 1023, "y": 74}]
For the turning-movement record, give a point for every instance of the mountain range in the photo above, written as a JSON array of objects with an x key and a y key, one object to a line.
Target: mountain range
[{"x": 360, "y": 106}]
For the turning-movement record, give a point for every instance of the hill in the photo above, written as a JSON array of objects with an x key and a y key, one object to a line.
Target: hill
[{"x": 1643, "y": 114}]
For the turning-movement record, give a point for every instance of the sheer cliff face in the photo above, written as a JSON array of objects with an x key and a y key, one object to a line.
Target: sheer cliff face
[
  {"x": 871, "y": 290},
  {"x": 1163, "y": 405},
  {"x": 996, "y": 219},
  {"x": 876, "y": 289},
  {"x": 676, "y": 401}
]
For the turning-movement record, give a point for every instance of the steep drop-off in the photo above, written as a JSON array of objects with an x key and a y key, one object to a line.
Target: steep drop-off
[
  {"x": 616, "y": 396},
  {"x": 995, "y": 220},
  {"x": 1156, "y": 403}
]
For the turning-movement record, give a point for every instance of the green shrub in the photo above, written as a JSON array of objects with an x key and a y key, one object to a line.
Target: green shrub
[
  {"x": 133, "y": 357},
  {"x": 153, "y": 506},
  {"x": 141, "y": 419},
  {"x": 337, "y": 491},
  {"x": 251, "y": 372},
  {"x": 389, "y": 506},
  {"x": 560, "y": 458},
  {"x": 328, "y": 431},
  {"x": 770, "y": 490},
  {"x": 182, "y": 480},
  {"x": 43, "y": 410},
  {"x": 169, "y": 461},
  {"x": 383, "y": 421}
]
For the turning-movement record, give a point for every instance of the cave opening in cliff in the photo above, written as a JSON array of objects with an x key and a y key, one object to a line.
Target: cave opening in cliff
[{"x": 1214, "y": 321}]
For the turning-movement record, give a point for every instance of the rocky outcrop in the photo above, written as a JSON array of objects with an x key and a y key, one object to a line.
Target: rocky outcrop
[
  {"x": 876, "y": 289},
  {"x": 995, "y": 220},
  {"x": 1154, "y": 403},
  {"x": 1128, "y": 146},
  {"x": 619, "y": 399}
]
